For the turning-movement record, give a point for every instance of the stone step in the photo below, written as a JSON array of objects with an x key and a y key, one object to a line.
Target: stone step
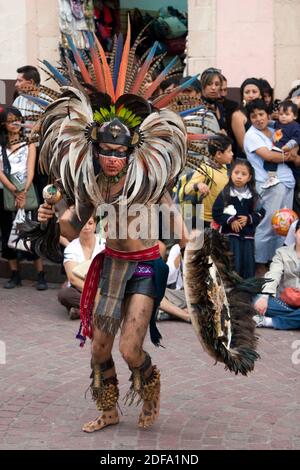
[{"x": 53, "y": 271}]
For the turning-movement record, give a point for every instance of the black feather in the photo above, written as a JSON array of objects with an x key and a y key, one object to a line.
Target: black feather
[
  {"x": 238, "y": 353},
  {"x": 44, "y": 241}
]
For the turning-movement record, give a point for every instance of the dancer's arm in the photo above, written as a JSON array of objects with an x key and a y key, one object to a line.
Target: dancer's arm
[
  {"x": 177, "y": 224},
  {"x": 69, "y": 222}
]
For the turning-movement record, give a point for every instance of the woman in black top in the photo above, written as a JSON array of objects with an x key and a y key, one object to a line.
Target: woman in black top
[
  {"x": 250, "y": 90},
  {"x": 211, "y": 80}
]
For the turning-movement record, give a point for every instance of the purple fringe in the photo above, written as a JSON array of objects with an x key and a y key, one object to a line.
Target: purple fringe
[{"x": 81, "y": 338}]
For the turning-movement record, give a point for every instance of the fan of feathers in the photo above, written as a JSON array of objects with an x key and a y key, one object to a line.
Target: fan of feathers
[{"x": 220, "y": 302}]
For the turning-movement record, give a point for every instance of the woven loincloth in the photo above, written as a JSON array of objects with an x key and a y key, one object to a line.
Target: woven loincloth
[
  {"x": 114, "y": 277},
  {"x": 121, "y": 273}
]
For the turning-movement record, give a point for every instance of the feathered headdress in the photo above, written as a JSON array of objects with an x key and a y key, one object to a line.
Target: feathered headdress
[
  {"x": 119, "y": 86},
  {"x": 101, "y": 92}
]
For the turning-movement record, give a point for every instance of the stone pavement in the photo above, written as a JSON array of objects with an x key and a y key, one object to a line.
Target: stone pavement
[{"x": 43, "y": 384}]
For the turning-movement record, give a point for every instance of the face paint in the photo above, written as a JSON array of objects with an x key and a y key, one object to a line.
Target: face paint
[
  {"x": 112, "y": 166},
  {"x": 112, "y": 153}
]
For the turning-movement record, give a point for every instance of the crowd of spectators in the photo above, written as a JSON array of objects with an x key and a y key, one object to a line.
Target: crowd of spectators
[{"x": 254, "y": 145}]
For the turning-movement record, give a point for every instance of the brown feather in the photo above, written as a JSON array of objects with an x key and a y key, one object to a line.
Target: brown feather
[{"x": 132, "y": 56}]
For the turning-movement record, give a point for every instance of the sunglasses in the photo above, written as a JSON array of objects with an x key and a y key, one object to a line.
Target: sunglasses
[{"x": 11, "y": 121}]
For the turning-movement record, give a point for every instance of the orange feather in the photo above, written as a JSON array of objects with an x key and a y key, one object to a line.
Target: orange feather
[
  {"x": 107, "y": 73},
  {"x": 163, "y": 100},
  {"x": 83, "y": 70},
  {"x": 124, "y": 63}
]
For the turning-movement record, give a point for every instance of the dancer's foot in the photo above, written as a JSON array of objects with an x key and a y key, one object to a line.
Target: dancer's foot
[
  {"x": 108, "y": 418},
  {"x": 149, "y": 413}
]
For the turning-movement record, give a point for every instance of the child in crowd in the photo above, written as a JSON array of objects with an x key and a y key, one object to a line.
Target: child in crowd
[
  {"x": 207, "y": 186},
  {"x": 235, "y": 211},
  {"x": 287, "y": 134}
]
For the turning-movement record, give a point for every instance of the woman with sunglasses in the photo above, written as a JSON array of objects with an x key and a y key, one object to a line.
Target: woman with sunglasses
[{"x": 16, "y": 158}]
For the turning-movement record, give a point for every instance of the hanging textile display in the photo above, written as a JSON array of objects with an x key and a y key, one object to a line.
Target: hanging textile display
[{"x": 77, "y": 17}]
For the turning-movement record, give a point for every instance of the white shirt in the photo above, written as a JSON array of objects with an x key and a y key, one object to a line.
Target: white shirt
[
  {"x": 74, "y": 251},
  {"x": 26, "y": 107},
  {"x": 18, "y": 162},
  {"x": 175, "y": 275}
]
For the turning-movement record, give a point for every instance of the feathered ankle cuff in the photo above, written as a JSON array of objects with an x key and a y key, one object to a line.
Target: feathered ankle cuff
[
  {"x": 143, "y": 387},
  {"x": 104, "y": 390}
]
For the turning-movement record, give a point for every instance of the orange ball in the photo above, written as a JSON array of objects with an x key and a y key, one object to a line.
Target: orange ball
[{"x": 282, "y": 220}]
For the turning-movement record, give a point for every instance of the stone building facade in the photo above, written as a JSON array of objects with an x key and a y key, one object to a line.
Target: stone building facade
[{"x": 259, "y": 39}]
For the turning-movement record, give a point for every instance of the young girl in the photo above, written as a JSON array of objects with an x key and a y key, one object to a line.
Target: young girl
[
  {"x": 235, "y": 211},
  {"x": 18, "y": 159}
]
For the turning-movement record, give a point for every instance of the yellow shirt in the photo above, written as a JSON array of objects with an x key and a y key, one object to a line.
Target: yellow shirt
[{"x": 216, "y": 180}]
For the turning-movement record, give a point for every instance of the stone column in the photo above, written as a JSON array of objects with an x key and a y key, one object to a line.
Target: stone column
[
  {"x": 47, "y": 31},
  {"x": 287, "y": 45},
  {"x": 13, "y": 51},
  {"x": 201, "y": 36},
  {"x": 28, "y": 31}
]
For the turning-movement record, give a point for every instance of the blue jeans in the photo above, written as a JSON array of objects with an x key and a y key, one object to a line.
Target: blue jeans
[{"x": 283, "y": 316}]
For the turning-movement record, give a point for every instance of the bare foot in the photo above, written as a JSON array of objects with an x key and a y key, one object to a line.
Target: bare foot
[
  {"x": 149, "y": 413},
  {"x": 108, "y": 418}
]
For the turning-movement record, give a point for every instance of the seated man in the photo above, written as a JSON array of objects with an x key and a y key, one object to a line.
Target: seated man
[
  {"x": 80, "y": 250},
  {"x": 173, "y": 305}
]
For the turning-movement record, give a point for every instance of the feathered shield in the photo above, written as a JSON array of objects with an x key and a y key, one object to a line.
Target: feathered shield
[{"x": 219, "y": 302}]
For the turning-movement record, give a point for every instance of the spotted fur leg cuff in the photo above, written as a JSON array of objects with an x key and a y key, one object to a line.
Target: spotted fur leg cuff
[
  {"x": 104, "y": 390},
  {"x": 145, "y": 383}
]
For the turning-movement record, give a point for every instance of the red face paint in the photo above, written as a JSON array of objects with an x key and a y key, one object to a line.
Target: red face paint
[{"x": 112, "y": 166}]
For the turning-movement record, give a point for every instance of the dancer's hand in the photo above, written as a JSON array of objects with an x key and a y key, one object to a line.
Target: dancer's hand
[{"x": 45, "y": 212}]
